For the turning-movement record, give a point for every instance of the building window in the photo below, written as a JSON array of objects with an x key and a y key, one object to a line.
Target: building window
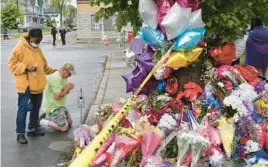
[{"x": 95, "y": 25}]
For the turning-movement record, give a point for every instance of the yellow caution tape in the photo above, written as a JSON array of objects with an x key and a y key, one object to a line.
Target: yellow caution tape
[{"x": 87, "y": 155}]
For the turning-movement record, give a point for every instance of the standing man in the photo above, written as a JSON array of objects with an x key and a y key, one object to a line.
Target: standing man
[
  {"x": 54, "y": 33},
  {"x": 55, "y": 94},
  {"x": 29, "y": 68},
  {"x": 62, "y": 35}
]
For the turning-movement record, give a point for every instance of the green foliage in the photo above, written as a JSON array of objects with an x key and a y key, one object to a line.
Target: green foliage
[
  {"x": 49, "y": 21},
  {"x": 59, "y": 5},
  {"x": 10, "y": 13},
  {"x": 126, "y": 11},
  {"x": 228, "y": 19}
]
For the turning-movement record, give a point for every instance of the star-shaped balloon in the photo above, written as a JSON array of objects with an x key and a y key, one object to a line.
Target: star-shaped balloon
[
  {"x": 152, "y": 37},
  {"x": 196, "y": 19},
  {"x": 137, "y": 46},
  {"x": 176, "y": 21},
  {"x": 148, "y": 11}
]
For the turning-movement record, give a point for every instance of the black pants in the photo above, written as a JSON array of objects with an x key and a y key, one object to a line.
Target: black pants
[
  {"x": 63, "y": 39},
  {"x": 54, "y": 39},
  {"x": 6, "y": 37},
  {"x": 23, "y": 107}
]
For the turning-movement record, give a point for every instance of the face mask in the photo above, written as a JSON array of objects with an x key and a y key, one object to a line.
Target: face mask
[{"x": 34, "y": 44}]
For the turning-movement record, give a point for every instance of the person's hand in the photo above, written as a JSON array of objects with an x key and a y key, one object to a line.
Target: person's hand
[
  {"x": 70, "y": 86},
  {"x": 31, "y": 69}
]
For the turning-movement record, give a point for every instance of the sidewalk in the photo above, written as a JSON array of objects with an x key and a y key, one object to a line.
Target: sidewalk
[{"x": 112, "y": 87}]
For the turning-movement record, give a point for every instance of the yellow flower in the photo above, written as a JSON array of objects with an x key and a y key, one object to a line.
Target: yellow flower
[
  {"x": 198, "y": 111},
  {"x": 127, "y": 130},
  {"x": 257, "y": 165}
]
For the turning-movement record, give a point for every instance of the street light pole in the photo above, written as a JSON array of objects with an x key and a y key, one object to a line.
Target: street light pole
[{"x": 17, "y": 4}]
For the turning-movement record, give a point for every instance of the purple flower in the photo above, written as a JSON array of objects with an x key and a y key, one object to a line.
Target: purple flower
[
  {"x": 249, "y": 105},
  {"x": 260, "y": 86}
]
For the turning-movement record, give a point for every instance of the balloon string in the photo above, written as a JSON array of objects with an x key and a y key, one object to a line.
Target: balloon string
[{"x": 87, "y": 155}]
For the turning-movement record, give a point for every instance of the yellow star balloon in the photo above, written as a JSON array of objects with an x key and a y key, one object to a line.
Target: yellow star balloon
[{"x": 183, "y": 58}]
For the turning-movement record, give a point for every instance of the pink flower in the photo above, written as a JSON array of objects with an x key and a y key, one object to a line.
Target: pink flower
[{"x": 228, "y": 85}]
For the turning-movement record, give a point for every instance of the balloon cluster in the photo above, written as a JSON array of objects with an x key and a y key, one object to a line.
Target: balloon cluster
[{"x": 178, "y": 25}]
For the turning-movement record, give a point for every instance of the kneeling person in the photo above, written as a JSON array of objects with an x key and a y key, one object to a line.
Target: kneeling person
[{"x": 56, "y": 115}]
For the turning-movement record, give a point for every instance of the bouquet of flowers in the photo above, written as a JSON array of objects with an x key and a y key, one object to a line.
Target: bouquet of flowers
[
  {"x": 82, "y": 136},
  {"x": 198, "y": 146},
  {"x": 124, "y": 145},
  {"x": 184, "y": 142},
  {"x": 151, "y": 139},
  {"x": 226, "y": 72}
]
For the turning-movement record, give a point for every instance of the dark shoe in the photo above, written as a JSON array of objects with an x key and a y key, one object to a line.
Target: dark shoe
[
  {"x": 36, "y": 132},
  {"x": 22, "y": 139}
]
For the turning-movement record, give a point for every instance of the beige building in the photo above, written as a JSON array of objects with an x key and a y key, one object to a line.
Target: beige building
[{"x": 88, "y": 29}]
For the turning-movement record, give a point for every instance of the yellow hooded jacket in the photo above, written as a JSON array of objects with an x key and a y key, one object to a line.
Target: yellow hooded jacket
[{"x": 22, "y": 55}]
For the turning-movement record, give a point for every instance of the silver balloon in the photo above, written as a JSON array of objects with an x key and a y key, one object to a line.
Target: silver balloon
[
  {"x": 148, "y": 11},
  {"x": 240, "y": 46},
  {"x": 196, "y": 19},
  {"x": 176, "y": 21}
]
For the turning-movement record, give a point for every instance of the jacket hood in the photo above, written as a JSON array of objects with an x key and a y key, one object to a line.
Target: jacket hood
[{"x": 24, "y": 42}]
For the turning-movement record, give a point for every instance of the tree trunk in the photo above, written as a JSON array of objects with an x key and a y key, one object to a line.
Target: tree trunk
[{"x": 61, "y": 17}]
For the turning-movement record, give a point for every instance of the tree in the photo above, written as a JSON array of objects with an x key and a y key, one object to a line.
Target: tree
[
  {"x": 49, "y": 21},
  {"x": 59, "y": 5},
  {"x": 224, "y": 18},
  {"x": 10, "y": 13}
]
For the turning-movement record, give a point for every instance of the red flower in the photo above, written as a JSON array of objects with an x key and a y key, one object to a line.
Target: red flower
[
  {"x": 125, "y": 122},
  {"x": 212, "y": 110},
  {"x": 244, "y": 140},
  {"x": 172, "y": 85}
]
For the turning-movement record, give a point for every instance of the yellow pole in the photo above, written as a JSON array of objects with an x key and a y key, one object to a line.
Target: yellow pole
[{"x": 87, "y": 155}]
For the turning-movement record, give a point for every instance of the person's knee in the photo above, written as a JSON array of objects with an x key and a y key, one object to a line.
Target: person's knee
[{"x": 65, "y": 128}]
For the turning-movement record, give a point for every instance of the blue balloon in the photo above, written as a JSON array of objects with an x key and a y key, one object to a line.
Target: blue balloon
[
  {"x": 189, "y": 39},
  {"x": 161, "y": 86},
  {"x": 152, "y": 37}
]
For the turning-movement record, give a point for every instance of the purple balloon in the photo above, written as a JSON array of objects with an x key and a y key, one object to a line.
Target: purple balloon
[
  {"x": 137, "y": 46},
  {"x": 127, "y": 77}
]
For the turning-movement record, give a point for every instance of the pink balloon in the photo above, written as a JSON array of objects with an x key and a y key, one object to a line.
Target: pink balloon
[
  {"x": 194, "y": 4},
  {"x": 162, "y": 11}
]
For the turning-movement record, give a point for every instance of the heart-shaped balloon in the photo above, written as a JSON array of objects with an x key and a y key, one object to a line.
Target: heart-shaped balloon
[
  {"x": 223, "y": 54},
  {"x": 148, "y": 11},
  {"x": 176, "y": 21}
]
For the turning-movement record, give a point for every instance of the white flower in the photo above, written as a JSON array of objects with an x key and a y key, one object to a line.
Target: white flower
[
  {"x": 220, "y": 84},
  {"x": 252, "y": 146},
  {"x": 122, "y": 100},
  {"x": 167, "y": 121},
  {"x": 95, "y": 129},
  {"x": 266, "y": 86}
]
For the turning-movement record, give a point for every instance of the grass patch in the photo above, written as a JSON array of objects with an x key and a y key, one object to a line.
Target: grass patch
[{"x": 45, "y": 31}]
